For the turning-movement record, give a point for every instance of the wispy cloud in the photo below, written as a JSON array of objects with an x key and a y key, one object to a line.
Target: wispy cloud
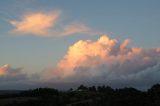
[
  {"x": 46, "y": 24},
  {"x": 38, "y": 23},
  {"x": 77, "y": 28}
]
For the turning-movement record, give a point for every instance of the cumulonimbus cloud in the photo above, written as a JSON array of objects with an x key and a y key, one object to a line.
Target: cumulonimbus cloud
[
  {"x": 46, "y": 24},
  {"x": 107, "y": 61}
]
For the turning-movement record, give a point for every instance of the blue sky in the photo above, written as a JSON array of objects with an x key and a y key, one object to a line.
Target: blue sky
[{"x": 137, "y": 20}]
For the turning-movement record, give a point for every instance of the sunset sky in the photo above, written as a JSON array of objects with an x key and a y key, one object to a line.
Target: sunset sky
[{"x": 62, "y": 43}]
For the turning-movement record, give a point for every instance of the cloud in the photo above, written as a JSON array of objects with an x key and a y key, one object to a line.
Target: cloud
[
  {"x": 46, "y": 24},
  {"x": 38, "y": 23},
  {"x": 107, "y": 61},
  {"x": 77, "y": 28},
  {"x": 7, "y": 73}
]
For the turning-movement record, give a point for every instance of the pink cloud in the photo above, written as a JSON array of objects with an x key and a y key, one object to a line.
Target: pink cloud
[
  {"x": 46, "y": 24},
  {"x": 38, "y": 23},
  {"x": 106, "y": 60},
  {"x": 6, "y": 70}
]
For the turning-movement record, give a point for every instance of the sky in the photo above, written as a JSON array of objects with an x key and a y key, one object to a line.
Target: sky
[{"x": 60, "y": 43}]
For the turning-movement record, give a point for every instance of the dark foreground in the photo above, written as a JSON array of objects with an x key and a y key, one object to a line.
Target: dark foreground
[{"x": 83, "y": 96}]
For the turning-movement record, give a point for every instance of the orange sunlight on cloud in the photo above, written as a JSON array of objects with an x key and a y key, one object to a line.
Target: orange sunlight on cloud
[
  {"x": 3, "y": 70},
  {"x": 105, "y": 58},
  {"x": 36, "y": 23},
  {"x": 45, "y": 24}
]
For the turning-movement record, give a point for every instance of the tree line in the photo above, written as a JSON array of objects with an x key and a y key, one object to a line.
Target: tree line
[{"x": 87, "y": 96}]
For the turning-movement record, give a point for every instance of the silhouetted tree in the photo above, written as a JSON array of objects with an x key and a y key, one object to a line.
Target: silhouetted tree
[
  {"x": 82, "y": 87},
  {"x": 93, "y": 88},
  {"x": 102, "y": 96}
]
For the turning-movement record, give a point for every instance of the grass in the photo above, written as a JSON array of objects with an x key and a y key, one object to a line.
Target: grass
[{"x": 16, "y": 100}]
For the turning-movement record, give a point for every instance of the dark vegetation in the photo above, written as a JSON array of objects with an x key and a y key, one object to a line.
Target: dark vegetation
[{"x": 84, "y": 96}]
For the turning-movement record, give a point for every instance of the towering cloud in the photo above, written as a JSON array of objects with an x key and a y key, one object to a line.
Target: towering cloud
[
  {"x": 46, "y": 24},
  {"x": 107, "y": 60}
]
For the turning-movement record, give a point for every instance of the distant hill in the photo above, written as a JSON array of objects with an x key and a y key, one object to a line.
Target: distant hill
[{"x": 5, "y": 92}]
